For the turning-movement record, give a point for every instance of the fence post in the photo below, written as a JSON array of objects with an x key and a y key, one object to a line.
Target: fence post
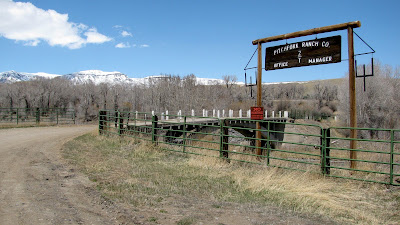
[
  {"x": 224, "y": 140},
  {"x": 17, "y": 116},
  {"x": 73, "y": 116},
  {"x": 121, "y": 124},
  {"x": 37, "y": 115},
  {"x": 116, "y": 115},
  {"x": 391, "y": 156},
  {"x": 118, "y": 125},
  {"x": 10, "y": 112},
  {"x": 322, "y": 150},
  {"x": 154, "y": 129},
  {"x": 268, "y": 141},
  {"x": 184, "y": 133},
  {"x": 325, "y": 151},
  {"x": 57, "y": 115},
  {"x": 127, "y": 120},
  {"x": 101, "y": 121}
]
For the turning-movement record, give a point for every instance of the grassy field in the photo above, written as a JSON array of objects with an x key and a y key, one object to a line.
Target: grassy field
[{"x": 171, "y": 188}]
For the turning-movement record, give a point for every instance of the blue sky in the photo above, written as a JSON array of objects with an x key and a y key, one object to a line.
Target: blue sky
[{"x": 207, "y": 38}]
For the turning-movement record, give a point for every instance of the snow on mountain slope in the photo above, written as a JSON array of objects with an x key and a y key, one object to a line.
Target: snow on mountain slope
[
  {"x": 98, "y": 77},
  {"x": 45, "y": 75},
  {"x": 13, "y": 76},
  {"x": 208, "y": 81}
]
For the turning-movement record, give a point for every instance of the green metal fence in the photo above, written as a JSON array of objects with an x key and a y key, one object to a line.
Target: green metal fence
[
  {"x": 36, "y": 116},
  {"x": 304, "y": 147}
]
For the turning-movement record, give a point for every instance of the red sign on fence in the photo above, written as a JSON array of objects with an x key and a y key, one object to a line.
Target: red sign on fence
[{"x": 257, "y": 113}]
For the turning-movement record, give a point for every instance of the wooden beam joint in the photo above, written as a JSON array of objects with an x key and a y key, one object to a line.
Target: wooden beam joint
[{"x": 319, "y": 30}]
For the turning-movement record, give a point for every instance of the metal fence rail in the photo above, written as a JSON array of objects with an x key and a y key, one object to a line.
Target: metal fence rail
[
  {"x": 305, "y": 147},
  {"x": 37, "y": 116}
]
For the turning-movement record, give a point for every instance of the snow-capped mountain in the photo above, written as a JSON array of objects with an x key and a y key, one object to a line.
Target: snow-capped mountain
[
  {"x": 45, "y": 75},
  {"x": 97, "y": 77},
  {"x": 208, "y": 81},
  {"x": 13, "y": 76}
]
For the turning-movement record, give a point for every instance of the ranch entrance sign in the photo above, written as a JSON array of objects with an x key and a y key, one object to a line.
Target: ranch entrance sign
[
  {"x": 305, "y": 53},
  {"x": 316, "y": 53}
]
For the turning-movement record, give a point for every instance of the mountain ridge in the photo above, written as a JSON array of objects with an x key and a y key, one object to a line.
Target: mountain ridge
[
  {"x": 99, "y": 76},
  {"x": 95, "y": 76}
]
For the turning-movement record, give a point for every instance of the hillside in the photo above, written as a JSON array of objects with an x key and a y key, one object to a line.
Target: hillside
[{"x": 96, "y": 77}]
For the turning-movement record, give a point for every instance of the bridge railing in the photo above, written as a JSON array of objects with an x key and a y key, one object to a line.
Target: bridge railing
[
  {"x": 304, "y": 147},
  {"x": 217, "y": 113},
  {"x": 12, "y": 116}
]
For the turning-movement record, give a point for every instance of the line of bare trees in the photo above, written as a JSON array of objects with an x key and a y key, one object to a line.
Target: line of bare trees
[{"x": 378, "y": 106}]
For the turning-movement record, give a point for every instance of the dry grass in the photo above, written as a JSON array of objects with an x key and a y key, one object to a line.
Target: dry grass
[
  {"x": 346, "y": 201},
  {"x": 136, "y": 173}
]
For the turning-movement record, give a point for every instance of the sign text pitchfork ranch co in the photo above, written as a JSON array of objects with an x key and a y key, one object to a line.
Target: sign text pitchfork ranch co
[{"x": 304, "y": 53}]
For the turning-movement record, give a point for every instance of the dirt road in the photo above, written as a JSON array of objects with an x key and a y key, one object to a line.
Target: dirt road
[{"x": 37, "y": 187}]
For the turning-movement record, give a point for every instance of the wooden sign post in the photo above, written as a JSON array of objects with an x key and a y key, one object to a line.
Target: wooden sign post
[{"x": 352, "y": 90}]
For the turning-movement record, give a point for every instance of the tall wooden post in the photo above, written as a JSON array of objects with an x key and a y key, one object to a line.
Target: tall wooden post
[
  {"x": 259, "y": 97},
  {"x": 352, "y": 90},
  {"x": 352, "y": 97}
]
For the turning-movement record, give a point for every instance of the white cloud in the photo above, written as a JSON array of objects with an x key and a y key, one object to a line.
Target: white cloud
[
  {"x": 125, "y": 33},
  {"x": 25, "y": 22},
  {"x": 94, "y": 37},
  {"x": 32, "y": 43},
  {"x": 123, "y": 45},
  {"x": 144, "y": 46}
]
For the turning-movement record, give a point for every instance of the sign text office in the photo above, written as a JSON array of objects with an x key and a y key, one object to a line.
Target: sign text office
[{"x": 305, "y": 53}]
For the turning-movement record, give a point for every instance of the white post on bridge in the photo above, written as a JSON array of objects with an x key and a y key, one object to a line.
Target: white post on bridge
[
  {"x": 240, "y": 114},
  {"x": 273, "y": 114},
  {"x": 192, "y": 114},
  {"x": 218, "y": 113},
  {"x": 286, "y": 114},
  {"x": 249, "y": 113},
  {"x": 179, "y": 116},
  {"x": 136, "y": 117},
  {"x": 162, "y": 116},
  {"x": 152, "y": 112},
  {"x": 166, "y": 115},
  {"x": 223, "y": 113},
  {"x": 213, "y": 113},
  {"x": 204, "y": 113},
  {"x": 266, "y": 114},
  {"x": 280, "y": 114}
]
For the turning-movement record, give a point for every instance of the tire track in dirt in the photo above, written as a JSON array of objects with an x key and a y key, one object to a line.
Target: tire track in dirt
[{"x": 38, "y": 187}]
